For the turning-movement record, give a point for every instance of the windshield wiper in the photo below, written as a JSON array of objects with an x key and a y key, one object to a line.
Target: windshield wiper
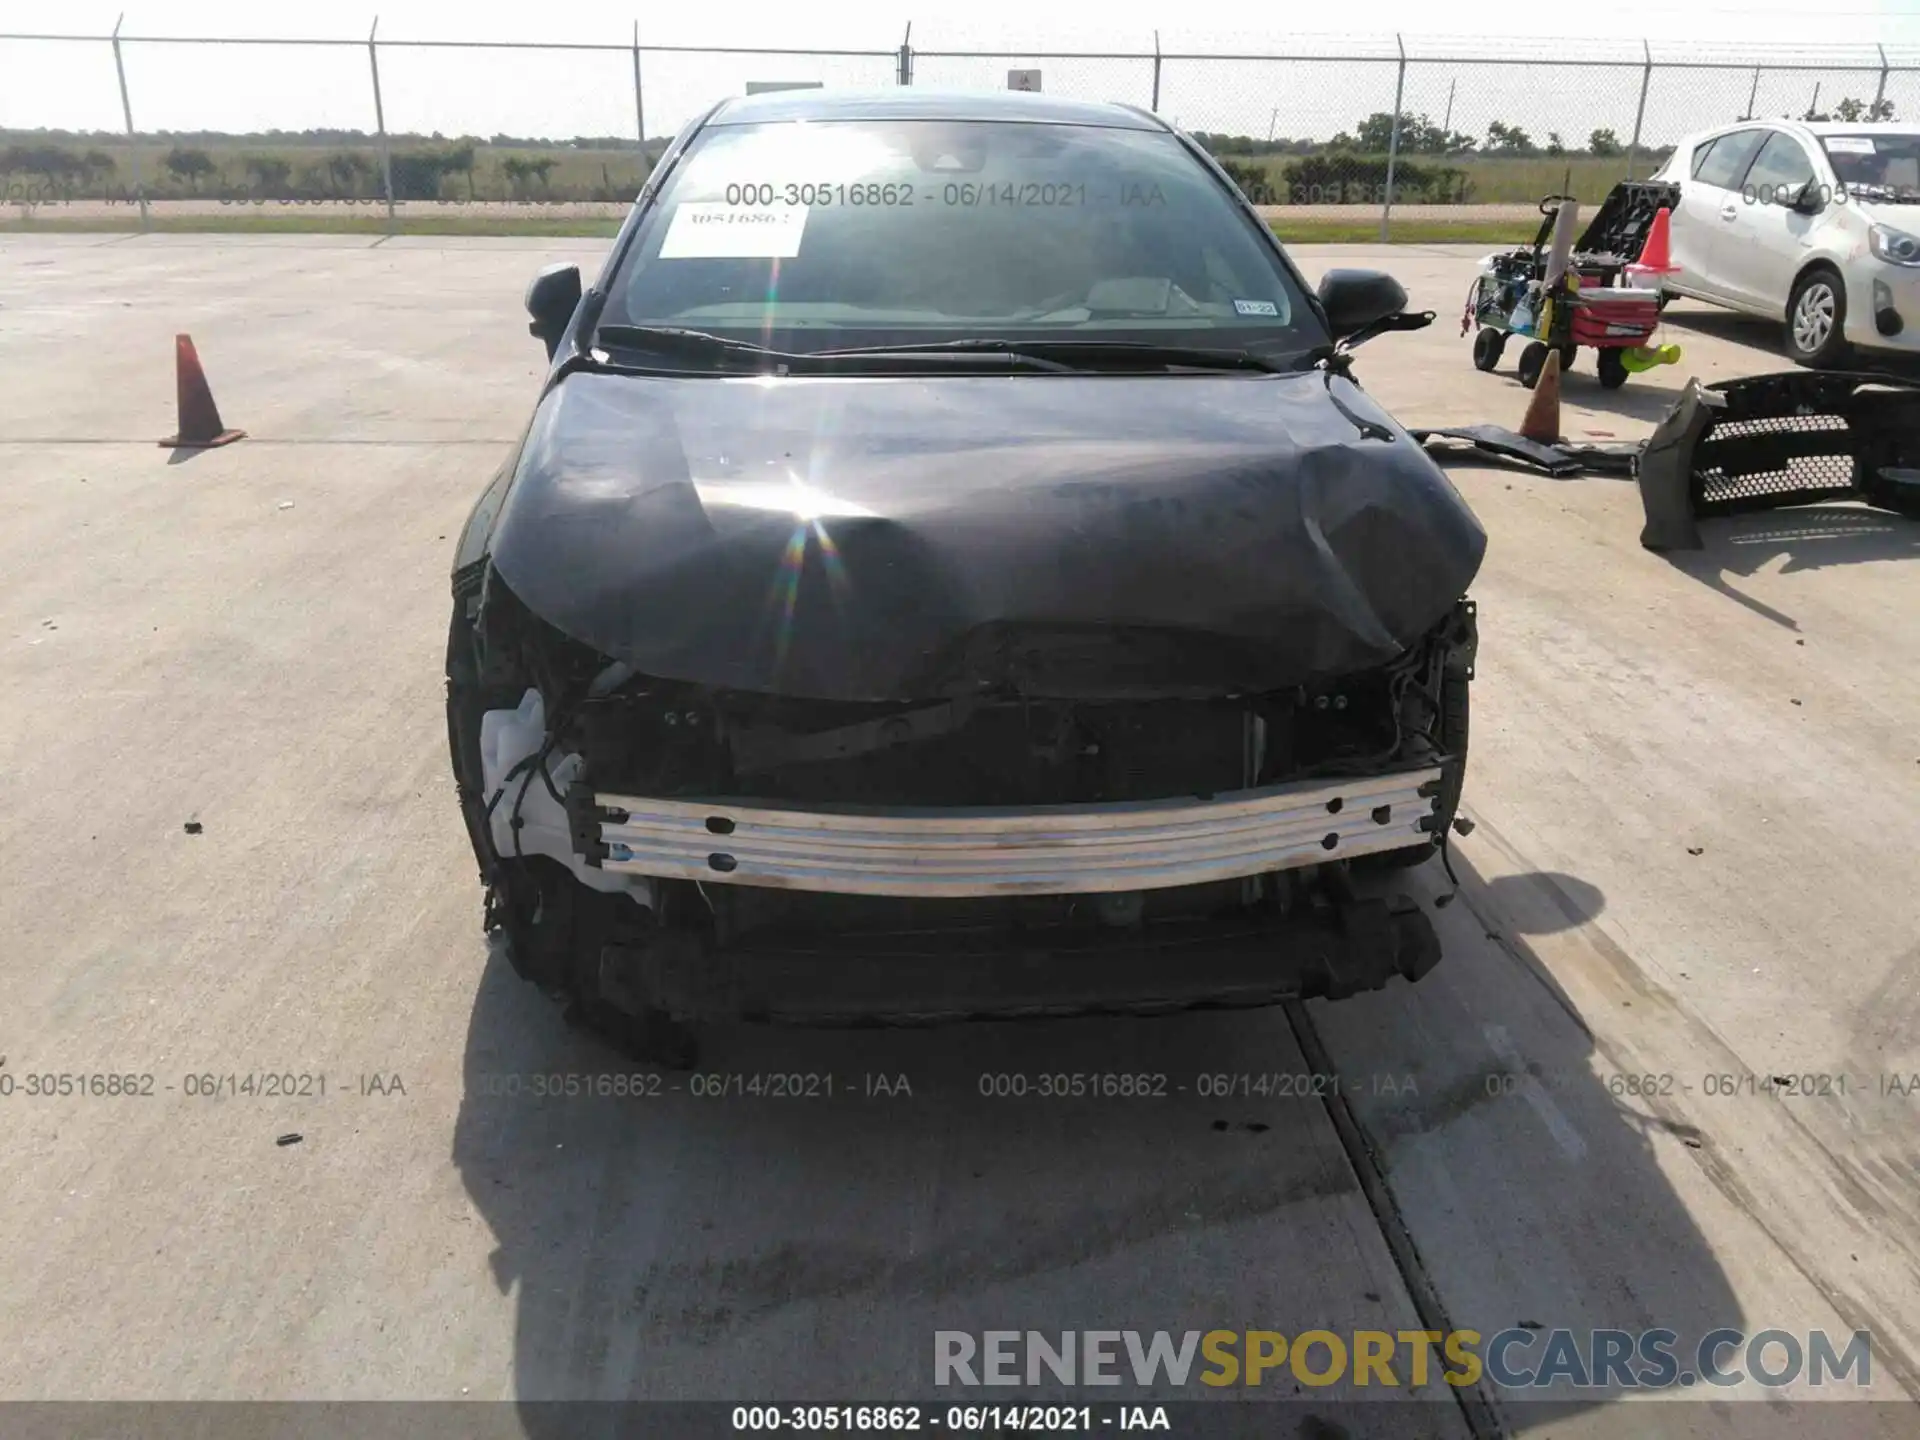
[
  {"x": 1086, "y": 354},
  {"x": 972, "y": 352},
  {"x": 672, "y": 340}
]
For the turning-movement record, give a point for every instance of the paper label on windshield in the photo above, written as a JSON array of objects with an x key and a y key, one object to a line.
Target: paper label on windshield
[
  {"x": 715, "y": 230},
  {"x": 1255, "y": 307},
  {"x": 1849, "y": 144}
]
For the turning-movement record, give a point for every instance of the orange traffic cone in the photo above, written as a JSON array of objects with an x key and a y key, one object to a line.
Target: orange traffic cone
[
  {"x": 1542, "y": 420},
  {"x": 200, "y": 427},
  {"x": 1655, "y": 256}
]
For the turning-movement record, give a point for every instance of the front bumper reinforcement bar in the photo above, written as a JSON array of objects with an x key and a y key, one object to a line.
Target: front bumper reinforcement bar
[{"x": 1036, "y": 850}]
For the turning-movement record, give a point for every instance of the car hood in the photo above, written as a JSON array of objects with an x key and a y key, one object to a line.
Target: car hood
[{"x": 897, "y": 538}]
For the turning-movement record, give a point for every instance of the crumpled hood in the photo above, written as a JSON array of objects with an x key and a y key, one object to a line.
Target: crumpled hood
[{"x": 901, "y": 538}]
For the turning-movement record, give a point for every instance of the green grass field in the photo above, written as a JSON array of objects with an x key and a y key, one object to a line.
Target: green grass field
[
  {"x": 281, "y": 167},
  {"x": 307, "y": 222},
  {"x": 351, "y": 169},
  {"x": 1316, "y": 230},
  {"x": 268, "y": 184},
  {"x": 1306, "y": 230},
  {"x": 1469, "y": 179}
]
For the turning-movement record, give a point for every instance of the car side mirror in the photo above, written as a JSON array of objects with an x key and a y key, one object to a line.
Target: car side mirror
[
  {"x": 552, "y": 297},
  {"x": 1807, "y": 201},
  {"x": 1355, "y": 299}
]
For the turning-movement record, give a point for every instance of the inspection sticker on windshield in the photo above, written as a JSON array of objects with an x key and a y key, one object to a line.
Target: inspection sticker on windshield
[
  {"x": 714, "y": 230},
  {"x": 1849, "y": 144},
  {"x": 1255, "y": 307}
]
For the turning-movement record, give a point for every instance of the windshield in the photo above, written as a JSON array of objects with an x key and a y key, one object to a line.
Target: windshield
[
  {"x": 828, "y": 235},
  {"x": 1882, "y": 167}
]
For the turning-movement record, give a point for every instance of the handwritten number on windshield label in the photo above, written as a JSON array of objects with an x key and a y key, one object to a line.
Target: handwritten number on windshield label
[{"x": 707, "y": 229}]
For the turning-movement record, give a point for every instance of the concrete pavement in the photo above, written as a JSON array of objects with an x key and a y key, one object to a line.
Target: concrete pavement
[{"x": 251, "y": 640}]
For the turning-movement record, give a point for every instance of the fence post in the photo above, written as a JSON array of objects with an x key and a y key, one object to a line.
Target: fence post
[
  {"x": 1880, "y": 90},
  {"x": 1640, "y": 114},
  {"x": 1393, "y": 139},
  {"x": 380, "y": 120},
  {"x": 126, "y": 109},
  {"x": 1753, "y": 93},
  {"x": 1155, "y": 106},
  {"x": 906, "y": 56},
  {"x": 639, "y": 110}
]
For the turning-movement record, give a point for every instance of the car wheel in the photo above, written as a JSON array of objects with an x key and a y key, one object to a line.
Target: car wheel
[
  {"x": 1613, "y": 369},
  {"x": 1533, "y": 360},
  {"x": 1817, "y": 319},
  {"x": 1568, "y": 354},
  {"x": 1487, "y": 346}
]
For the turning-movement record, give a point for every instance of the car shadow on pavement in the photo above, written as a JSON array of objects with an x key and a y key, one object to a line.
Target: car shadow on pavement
[
  {"x": 1570, "y": 901},
  {"x": 1763, "y": 336},
  {"x": 726, "y": 1245},
  {"x": 1806, "y": 537},
  {"x": 1532, "y": 1172},
  {"x": 1748, "y": 331}
]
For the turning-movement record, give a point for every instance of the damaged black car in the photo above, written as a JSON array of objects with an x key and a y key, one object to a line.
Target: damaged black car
[{"x": 951, "y": 572}]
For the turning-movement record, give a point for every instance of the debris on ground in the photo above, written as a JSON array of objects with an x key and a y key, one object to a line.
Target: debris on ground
[
  {"x": 1765, "y": 442},
  {"x": 1696, "y": 849},
  {"x": 292, "y": 1137},
  {"x": 192, "y": 827},
  {"x": 1562, "y": 459}
]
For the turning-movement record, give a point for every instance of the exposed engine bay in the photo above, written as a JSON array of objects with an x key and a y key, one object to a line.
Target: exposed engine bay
[{"x": 552, "y": 741}]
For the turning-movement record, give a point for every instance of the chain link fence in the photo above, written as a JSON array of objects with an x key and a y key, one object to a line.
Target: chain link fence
[{"x": 1371, "y": 131}]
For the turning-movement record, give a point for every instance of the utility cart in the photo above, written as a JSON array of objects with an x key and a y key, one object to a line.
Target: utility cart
[{"x": 1596, "y": 304}]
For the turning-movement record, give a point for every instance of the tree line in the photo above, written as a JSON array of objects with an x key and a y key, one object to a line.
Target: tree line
[
  {"x": 437, "y": 173},
  {"x": 345, "y": 164},
  {"x": 1419, "y": 135}
]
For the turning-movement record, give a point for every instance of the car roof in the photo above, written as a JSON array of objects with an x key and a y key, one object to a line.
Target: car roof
[
  {"x": 914, "y": 103},
  {"x": 1807, "y": 127},
  {"x": 1859, "y": 127}
]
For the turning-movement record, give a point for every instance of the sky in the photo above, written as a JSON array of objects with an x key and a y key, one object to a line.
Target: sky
[{"x": 73, "y": 84}]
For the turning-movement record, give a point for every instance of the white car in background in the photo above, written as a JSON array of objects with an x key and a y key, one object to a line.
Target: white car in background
[{"x": 1816, "y": 224}]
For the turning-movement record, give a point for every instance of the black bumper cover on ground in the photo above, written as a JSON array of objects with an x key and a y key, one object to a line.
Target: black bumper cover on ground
[
  {"x": 1310, "y": 953},
  {"x": 1769, "y": 441}
]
